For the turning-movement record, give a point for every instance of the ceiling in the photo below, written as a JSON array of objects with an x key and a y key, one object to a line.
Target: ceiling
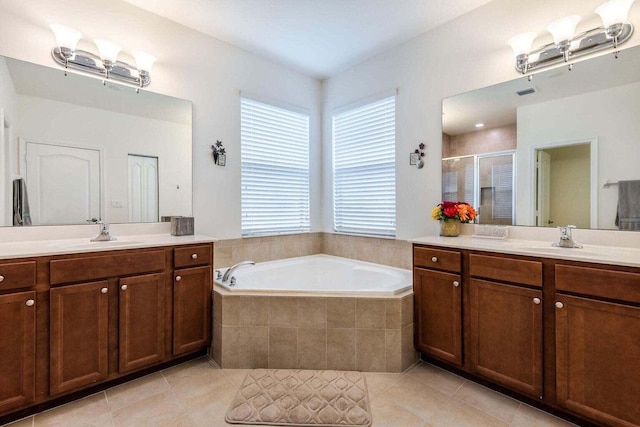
[{"x": 317, "y": 37}]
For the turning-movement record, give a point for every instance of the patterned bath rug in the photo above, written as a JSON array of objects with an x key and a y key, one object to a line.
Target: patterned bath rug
[{"x": 292, "y": 397}]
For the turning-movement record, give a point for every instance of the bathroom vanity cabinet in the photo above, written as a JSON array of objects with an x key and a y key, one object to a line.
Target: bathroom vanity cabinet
[
  {"x": 438, "y": 307},
  {"x": 76, "y": 321},
  {"x": 563, "y": 333}
]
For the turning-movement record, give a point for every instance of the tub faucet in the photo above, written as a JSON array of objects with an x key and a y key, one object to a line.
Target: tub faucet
[
  {"x": 566, "y": 240},
  {"x": 103, "y": 235},
  {"x": 234, "y": 267}
]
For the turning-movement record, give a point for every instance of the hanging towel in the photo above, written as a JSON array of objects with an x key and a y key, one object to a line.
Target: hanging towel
[
  {"x": 21, "y": 214},
  {"x": 628, "y": 216}
]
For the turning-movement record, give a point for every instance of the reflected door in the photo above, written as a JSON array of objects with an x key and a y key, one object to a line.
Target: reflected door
[
  {"x": 143, "y": 189},
  {"x": 63, "y": 184}
]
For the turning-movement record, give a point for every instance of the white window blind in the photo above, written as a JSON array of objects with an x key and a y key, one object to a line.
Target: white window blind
[
  {"x": 274, "y": 169},
  {"x": 364, "y": 178}
]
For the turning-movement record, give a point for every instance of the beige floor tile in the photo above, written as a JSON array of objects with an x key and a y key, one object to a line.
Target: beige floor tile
[
  {"x": 491, "y": 402},
  {"x": 25, "y": 422},
  {"x": 418, "y": 398},
  {"x": 209, "y": 409},
  {"x": 437, "y": 378},
  {"x": 388, "y": 414},
  {"x": 179, "y": 421},
  {"x": 527, "y": 416},
  {"x": 200, "y": 386},
  {"x": 236, "y": 376},
  {"x": 161, "y": 409},
  {"x": 91, "y": 411},
  {"x": 378, "y": 383},
  {"x": 136, "y": 390},
  {"x": 456, "y": 413},
  {"x": 187, "y": 371}
]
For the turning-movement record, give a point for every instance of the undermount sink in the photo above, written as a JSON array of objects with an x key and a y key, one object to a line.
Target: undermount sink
[
  {"x": 98, "y": 245},
  {"x": 555, "y": 249}
]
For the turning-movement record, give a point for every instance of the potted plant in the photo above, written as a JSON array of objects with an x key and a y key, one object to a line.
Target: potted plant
[{"x": 451, "y": 214}]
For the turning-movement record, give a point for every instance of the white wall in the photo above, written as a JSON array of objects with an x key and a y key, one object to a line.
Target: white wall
[
  {"x": 190, "y": 65},
  {"x": 7, "y": 117},
  {"x": 118, "y": 135},
  {"x": 465, "y": 54},
  {"x": 608, "y": 116}
]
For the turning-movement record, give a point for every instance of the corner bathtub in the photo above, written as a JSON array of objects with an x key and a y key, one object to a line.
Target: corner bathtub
[
  {"x": 320, "y": 274},
  {"x": 315, "y": 312}
]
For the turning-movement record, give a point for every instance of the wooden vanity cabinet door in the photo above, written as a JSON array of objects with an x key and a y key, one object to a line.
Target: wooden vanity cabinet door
[
  {"x": 141, "y": 321},
  {"x": 17, "y": 350},
  {"x": 191, "y": 309},
  {"x": 78, "y": 335},
  {"x": 598, "y": 359},
  {"x": 506, "y": 335},
  {"x": 438, "y": 311}
]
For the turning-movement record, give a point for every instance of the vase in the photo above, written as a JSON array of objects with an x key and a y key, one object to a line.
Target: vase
[{"x": 450, "y": 228}]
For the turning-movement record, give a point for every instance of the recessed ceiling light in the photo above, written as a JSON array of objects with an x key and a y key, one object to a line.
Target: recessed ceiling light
[{"x": 479, "y": 125}]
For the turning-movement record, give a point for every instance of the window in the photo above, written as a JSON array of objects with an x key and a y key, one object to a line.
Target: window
[
  {"x": 274, "y": 169},
  {"x": 364, "y": 174}
]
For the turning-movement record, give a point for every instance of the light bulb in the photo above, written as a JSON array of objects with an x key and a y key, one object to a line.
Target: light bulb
[
  {"x": 66, "y": 37},
  {"x": 614, "y": 12},
  {"x": 521, "y": 44},
  {"x": 563, "y": 29},
  {"x": 144, "y": 61},
  {"x": 107, "y": 50}
]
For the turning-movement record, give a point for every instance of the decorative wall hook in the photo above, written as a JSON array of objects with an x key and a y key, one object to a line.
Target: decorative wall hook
[
  {"x": 219, "y": 154},
  {"x": 415, "y": 158}
]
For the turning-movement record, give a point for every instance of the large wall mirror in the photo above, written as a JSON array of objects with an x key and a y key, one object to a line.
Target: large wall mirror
[
  {"x": 73, "y": 149},
  {"x": 549, "y": 151}
]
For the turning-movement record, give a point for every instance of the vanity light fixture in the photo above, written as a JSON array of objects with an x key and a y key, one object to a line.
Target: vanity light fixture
[
  {"x": 567, "y": 45},
  {"x": 479, "y": 125},
  {"x": 105, "y": 64}
]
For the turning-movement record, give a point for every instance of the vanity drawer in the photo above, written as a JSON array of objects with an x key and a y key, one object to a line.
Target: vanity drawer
[
  {"x": 192, "y": 255},
  {"x": 103, "y": 266},
  {"x": 506, "y": 269},
  {"x": 17, "y": 275},
  {"x": 597, "y": 282},
  {"x": 437, "y": 259}
]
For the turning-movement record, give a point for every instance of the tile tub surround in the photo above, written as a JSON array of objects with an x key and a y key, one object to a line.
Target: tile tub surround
[
  {"x": 341, "y": 333},
  {"x": 391, "y": 252},
  {"x": 269, "y": 248}
]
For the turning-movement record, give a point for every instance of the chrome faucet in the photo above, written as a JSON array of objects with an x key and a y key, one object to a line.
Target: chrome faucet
[
  {"x": 566, "y": 240},
  {"x": 234, "y": 267},
  {"x": 103, "y": 235}
]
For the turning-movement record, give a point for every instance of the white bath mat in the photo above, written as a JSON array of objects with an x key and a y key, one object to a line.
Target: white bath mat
[{"x": 290, "y": 397}]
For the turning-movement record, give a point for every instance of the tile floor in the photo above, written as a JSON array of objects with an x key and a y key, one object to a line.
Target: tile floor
[{"x": 198, "y": 393}]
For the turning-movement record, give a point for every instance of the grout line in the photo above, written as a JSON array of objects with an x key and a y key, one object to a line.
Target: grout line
[{"x": 458, "y": 389}]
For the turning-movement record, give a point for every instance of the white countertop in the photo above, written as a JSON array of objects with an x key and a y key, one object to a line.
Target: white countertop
[
  {"x": 72, "y": 246},
  {"x": 537, "y": 248}
]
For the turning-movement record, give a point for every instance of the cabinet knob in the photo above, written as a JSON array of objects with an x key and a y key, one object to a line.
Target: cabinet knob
[
  {"x": 536, "y": 301},
  {"x": 123, "y": 287},
  {"x": 30, "y": 302},
  {"x": 178, "y": 278},
  {"x": 1, "y": 278},
  {"x": 434, "y": 259},
  {"x": 194, "y": 256},
  {"x": 456, "y": 283},
  {"x": 104, "y": 290},
  {"x": 559, "y": 304}
]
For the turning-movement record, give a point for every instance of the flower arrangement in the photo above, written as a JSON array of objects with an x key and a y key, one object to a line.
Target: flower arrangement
[{"x": 447, "y": 210}]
